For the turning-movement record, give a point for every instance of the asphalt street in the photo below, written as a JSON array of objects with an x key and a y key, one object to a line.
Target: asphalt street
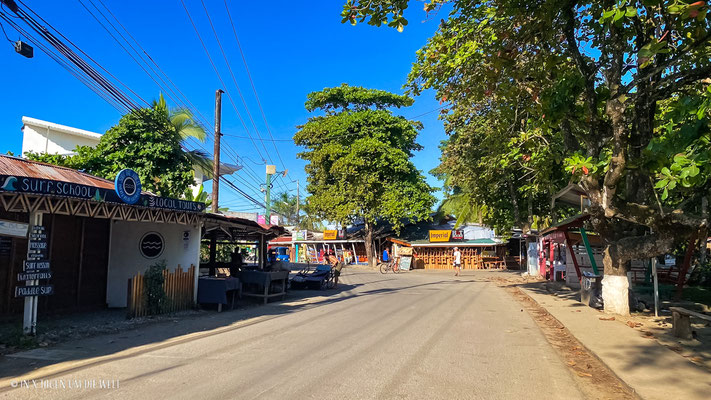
[{"x": 414, "y": 335}]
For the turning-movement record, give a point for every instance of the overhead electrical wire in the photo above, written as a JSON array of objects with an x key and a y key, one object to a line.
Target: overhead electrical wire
[
  {"x": 219, "y": 77},
  {"x": 234, "y": 80},
  {"x": 90, "y": 76},
  {"x": 76, "y": 59},
  {"x": 72, "y": 69},
  {"x": 169, "y": 87},
  {"x": 251, "y": 82}
]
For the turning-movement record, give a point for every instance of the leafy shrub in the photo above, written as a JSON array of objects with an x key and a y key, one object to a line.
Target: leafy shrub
[{"x": 156, "y": 299}]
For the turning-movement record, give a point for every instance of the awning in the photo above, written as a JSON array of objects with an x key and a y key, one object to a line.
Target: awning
[{"x": 239, "y": 229}]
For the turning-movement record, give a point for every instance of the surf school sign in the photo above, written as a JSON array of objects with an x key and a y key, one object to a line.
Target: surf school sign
[{"x": 127, "y": 190}]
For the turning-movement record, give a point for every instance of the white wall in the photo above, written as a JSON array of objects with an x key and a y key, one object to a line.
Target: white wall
[
  {"x": 47, "y": 140},
  {"x": 125, "y": 258}
]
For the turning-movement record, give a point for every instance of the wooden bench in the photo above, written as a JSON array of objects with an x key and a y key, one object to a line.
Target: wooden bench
[{"x": 681, "y": 321}]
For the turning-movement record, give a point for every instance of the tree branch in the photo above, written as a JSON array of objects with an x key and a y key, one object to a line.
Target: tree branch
[
  {"x": 662, "y": 67},
  {"x": 672, "y": 83}
]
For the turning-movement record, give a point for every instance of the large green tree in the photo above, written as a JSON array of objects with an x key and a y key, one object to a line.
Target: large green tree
[
  {"x": 629, "y": 86},
  {"x": 149, "y": 141},
  {"x": 358, "y": 155}
]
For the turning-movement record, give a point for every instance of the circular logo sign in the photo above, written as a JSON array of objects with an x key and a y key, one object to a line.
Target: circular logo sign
[
  {"x": 152, "y": 245},
  {"x": 128, "y": 186}
]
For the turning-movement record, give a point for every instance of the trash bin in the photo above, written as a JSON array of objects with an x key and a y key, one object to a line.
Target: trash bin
[{"x": 591, "y": 289}]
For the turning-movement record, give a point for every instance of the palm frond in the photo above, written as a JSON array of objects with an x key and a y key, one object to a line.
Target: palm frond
[{"x": 201, "y": 160}]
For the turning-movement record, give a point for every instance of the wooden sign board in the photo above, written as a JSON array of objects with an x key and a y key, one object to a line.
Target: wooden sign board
[
  {"x": 12, "y": 228},
  {"x": 36, "y": 266},
  {"x": 405, "y": 251},
  {"x": 38, "y": 290},
  {"x": 32, "y": 276}
]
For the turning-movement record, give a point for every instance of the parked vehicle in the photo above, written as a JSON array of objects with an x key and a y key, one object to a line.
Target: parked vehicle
[{"x": 278, "y": 254}]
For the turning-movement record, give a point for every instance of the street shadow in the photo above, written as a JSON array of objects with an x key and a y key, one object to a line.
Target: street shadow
[{"x": 206, "y": 323}]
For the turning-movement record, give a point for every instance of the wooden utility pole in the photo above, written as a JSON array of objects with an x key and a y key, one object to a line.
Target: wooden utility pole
[{"x": 216, "y": 165}]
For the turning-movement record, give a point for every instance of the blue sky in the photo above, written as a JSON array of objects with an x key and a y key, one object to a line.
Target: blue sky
[{"x": 292, "y": 48}]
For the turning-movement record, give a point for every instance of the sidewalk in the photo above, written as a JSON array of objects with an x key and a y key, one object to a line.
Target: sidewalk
[{"x": 651, "y": 369}]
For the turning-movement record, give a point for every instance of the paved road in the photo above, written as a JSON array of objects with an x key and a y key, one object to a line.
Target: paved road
[{"x": 413, "y": 335}]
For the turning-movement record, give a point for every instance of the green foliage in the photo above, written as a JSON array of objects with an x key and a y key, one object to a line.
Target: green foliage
[
  {"x": 149, "y": 142},
  {"x": 155, "y": 297},
  {"x": 503, "y": 112},
  {"x": 359, "y": 158},
  {"x": 223, "y": 252},
  {"x": 612, "y": 95},
  {"x": 284, "y": 204}
]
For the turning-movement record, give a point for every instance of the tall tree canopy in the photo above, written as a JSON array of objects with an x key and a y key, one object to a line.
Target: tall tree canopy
[
  {"x": 358, "y": 156},
  {"x": 149, "y": 142},
  {"x": 618, "y": 89}
]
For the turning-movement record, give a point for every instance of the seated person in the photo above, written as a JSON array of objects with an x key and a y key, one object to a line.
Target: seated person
[{"x": 236, "y": 263}]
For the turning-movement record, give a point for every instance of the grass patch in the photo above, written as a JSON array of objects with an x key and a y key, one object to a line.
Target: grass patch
[{"x": 11, "y": 336}]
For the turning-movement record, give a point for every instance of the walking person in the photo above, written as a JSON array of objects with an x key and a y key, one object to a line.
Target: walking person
[
  {"x": 336, "y": 265},
  {"x": 457, "y": 260}
]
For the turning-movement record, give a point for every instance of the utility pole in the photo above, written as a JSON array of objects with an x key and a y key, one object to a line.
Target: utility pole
[
  {"x": 297, "y": 203},
  {"x": 271, "y": 170},
  {"x": 216, "y": 165}
]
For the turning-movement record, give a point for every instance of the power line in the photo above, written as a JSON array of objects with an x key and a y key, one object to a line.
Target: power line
[
  {"x": 170, "y": 85},
  {"x": 219, "y": 77},
  {"x": 234, "y": 80},
  {"x": 72, "y": 69},
  {"x": 3, "y": 31},
  {"x": 264, "y": 140},
  {"x": 251, "y": 82}
]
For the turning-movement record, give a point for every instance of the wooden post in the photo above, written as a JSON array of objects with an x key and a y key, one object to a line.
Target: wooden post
[
  {"x": 685, "y": 267},
  {"x": 216, "y": 163},
  {"x": 81, "y": 260},
  {"x": 681, "y": 325},
  {"x": 572, "y": 255}
]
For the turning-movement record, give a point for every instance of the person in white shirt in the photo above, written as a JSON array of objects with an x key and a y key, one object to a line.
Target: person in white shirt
[{"x": 457, "y": 260}]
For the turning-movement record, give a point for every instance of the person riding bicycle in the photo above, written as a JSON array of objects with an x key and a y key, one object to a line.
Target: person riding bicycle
[{"x": 386, "y": 255}]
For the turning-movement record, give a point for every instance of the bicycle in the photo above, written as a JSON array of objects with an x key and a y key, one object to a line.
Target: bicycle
[{"x": 389, "y": 266}]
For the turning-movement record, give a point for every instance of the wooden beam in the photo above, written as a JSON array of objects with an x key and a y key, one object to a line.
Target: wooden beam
[
  {"x": 400, "y": 242},
  {"x": 572, "y": 255},
  {"x": 685, "y": 267}
]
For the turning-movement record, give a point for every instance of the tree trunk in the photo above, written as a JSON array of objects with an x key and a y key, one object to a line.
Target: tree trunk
[
  {"x": 369, "y": 251},
  {"x": 615, "y": 285}
]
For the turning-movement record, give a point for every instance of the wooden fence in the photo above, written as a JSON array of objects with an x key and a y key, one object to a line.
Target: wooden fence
[
  {"x": 179, "y": 286},
  {"x": 443, "y": 258}
]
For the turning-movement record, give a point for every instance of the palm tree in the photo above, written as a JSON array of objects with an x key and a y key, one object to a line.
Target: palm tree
[
  {"x": 463, "y": 208},
  {"x": 184, "y": 127},
  {"x": 284, "y": 204}
]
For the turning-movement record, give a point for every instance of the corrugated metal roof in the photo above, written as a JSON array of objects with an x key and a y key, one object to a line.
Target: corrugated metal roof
[{"x": 32, "y": 169}]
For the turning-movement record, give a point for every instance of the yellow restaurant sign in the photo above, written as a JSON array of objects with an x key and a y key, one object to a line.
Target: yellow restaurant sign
[
  {"x": 440, "y": 236},
  {"x": 330, "y": 235}
]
